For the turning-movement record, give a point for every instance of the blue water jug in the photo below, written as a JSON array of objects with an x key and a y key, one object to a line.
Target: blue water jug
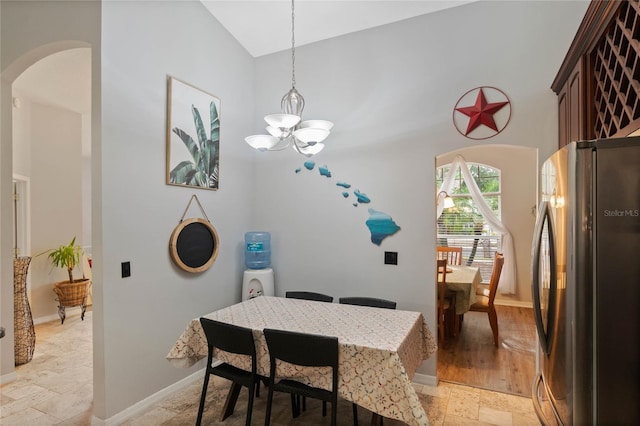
[{"x": 257, "y": 250}]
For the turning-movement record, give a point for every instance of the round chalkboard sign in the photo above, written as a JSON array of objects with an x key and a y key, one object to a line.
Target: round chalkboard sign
[{"x": 194, "y": 245}]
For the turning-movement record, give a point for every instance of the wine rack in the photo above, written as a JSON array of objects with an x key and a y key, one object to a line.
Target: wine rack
[{"x": 616, "y": 74}]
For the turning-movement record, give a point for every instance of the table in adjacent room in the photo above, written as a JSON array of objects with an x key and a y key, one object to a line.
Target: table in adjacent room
[{"x": 464, "y": 280}]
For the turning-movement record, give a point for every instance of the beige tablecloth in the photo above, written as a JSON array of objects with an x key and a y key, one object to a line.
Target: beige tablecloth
[
  {"x": 380, "y": 349},
  {"x": 464, "y": 280}
]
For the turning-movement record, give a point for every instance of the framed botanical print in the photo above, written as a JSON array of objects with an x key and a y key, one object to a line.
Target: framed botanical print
[{"x": 193, "y": 136}]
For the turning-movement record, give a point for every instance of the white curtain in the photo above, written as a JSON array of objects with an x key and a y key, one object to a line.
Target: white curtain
[{"x": 507, "y": 283}]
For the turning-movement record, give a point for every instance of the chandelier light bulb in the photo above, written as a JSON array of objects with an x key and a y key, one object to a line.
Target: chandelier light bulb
[{"x": 292, "y": 102}]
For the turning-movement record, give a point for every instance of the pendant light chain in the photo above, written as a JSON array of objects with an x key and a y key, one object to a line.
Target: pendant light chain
[
  {"x": 285, "y": 129},
  {"x": 293, "y": 46}
]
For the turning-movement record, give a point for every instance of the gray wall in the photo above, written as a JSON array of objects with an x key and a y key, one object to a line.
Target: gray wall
[
  {"x": 390, "y": 92},
  {"x": 144, "y": 314},
  {"x": 136, "y": 320}
]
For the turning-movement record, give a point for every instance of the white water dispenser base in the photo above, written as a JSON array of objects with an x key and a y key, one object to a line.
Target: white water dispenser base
[{"x": 257, "y": 282}]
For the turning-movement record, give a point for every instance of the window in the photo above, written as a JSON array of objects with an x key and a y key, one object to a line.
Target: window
[{"x": 463, "y": 225}]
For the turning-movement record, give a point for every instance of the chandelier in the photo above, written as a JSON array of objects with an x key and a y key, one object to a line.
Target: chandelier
[{"x": 286, "y": 129}]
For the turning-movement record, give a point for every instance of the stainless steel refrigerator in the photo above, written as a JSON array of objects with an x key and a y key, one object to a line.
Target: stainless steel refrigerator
[{"x": 586, "y": 285}]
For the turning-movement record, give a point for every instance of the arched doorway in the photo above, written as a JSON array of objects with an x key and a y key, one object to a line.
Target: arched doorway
[
  {"x": 460, "y": 361},
  {"x": 9, "y": 103}
]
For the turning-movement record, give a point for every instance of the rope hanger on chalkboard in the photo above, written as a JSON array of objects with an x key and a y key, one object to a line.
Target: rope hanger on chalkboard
[
  {"x": 194, "y": 242},
  {"x": 199, "y": 205}
]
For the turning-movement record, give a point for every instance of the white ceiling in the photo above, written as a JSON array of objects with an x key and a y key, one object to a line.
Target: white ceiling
[{"x": 264, "y": 26}]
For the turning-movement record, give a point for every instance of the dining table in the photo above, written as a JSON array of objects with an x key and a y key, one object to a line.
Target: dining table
[
  {"x": 379, "y": 349},
  {"x": 464, "y": 281}
]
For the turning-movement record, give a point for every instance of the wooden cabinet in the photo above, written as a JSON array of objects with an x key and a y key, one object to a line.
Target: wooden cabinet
[
  {"x": 571, "y": 115},
  {"x": 598, "y": 84}
]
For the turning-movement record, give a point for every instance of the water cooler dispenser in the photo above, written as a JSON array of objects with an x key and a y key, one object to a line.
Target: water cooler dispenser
[{"x": 258, "y": 278}]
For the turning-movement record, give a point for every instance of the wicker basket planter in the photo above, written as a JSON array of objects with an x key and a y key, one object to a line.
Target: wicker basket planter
[{"x": 72, "y": 294}]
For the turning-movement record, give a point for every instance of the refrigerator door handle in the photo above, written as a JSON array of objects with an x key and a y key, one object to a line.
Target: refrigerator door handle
[
  {"x": 537, "y": 407},
  {"x": 545, "y": 337}
]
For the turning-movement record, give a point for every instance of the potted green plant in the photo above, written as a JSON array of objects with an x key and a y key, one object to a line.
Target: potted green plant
[{"x": 74, "y": 291}]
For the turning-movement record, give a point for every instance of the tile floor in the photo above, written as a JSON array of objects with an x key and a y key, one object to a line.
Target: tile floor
[{"x": 55, "y": 388}]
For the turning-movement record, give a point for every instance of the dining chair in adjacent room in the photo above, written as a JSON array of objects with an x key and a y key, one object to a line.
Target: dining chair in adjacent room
[
  {"x": 368, "y": 301},
  {"x": 446, "y": 301},
  {"x": 302, "y": 349},
  {"x": 308, "y": 295},
  {"x": 486, "y": 295},
  {"x": 237, "y": 340},
  {"x": 452, "y": 254}
]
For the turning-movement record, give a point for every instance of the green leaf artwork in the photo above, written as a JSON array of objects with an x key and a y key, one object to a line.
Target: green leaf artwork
[{"x": 199, "y": 165}]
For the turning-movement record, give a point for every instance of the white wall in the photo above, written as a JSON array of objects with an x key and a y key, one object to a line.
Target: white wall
[
  {"x": 86, "y": 184},
  {"x": 47, "y": 149},
  {"x": 56, "y": 201},
  {"x": 390, "y": 92},
  {"x": 21, "y": 132}
]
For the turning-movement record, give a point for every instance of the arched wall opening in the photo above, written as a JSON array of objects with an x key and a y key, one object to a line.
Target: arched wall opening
[{"x": 15, "y": 67}]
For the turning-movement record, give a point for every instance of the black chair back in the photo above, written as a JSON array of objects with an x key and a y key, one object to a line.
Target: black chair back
[
  {"x": 234, "y": 339},
  {"x": 307, "y": 350},
  {"x": 229, "y": 337},
  {"x": 309, "y": 295},
  {"x": 368, "y": 301}
]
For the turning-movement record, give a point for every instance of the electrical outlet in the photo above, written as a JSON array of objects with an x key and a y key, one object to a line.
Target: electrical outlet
[
  {"x": 126, "y": 269},
  {"x": 390, "y": 257}
]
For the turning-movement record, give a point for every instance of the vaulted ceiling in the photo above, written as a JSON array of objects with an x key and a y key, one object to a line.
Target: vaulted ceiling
[{"x": 264, "y": 26}]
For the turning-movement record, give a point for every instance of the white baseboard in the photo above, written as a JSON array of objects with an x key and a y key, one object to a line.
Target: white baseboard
[
  {"x": 49, "y": 318},
  {"x": 68, "y": 311},
  {"x": 8, "y": 378},
  {"x": 75, "y": 310},
  {"x": 515, "y": 303},
  {"x": 139, "y": 407},
  {"x": 423, "y": 379}
]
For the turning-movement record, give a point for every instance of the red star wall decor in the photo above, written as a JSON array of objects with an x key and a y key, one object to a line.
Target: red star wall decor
[{"x": 487, "y": 114}]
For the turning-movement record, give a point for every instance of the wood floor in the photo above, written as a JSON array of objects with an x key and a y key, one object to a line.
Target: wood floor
[{"x": 472, "y": 359}]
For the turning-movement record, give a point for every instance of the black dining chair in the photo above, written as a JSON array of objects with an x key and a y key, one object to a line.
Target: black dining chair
[
  {"x": 318, "y": 297},
  {"x": 308, "y": 295},
  {"x": 368, "y": 301},
  {"x": 237, "y": 340},
  {"x": 374, "y": 303},
  {"x": 309, "y": 350}
]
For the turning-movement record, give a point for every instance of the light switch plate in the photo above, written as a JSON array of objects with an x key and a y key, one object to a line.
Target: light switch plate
[
  {"x": 126, "y": 269},
  {"x": 390, "y": 257}
]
